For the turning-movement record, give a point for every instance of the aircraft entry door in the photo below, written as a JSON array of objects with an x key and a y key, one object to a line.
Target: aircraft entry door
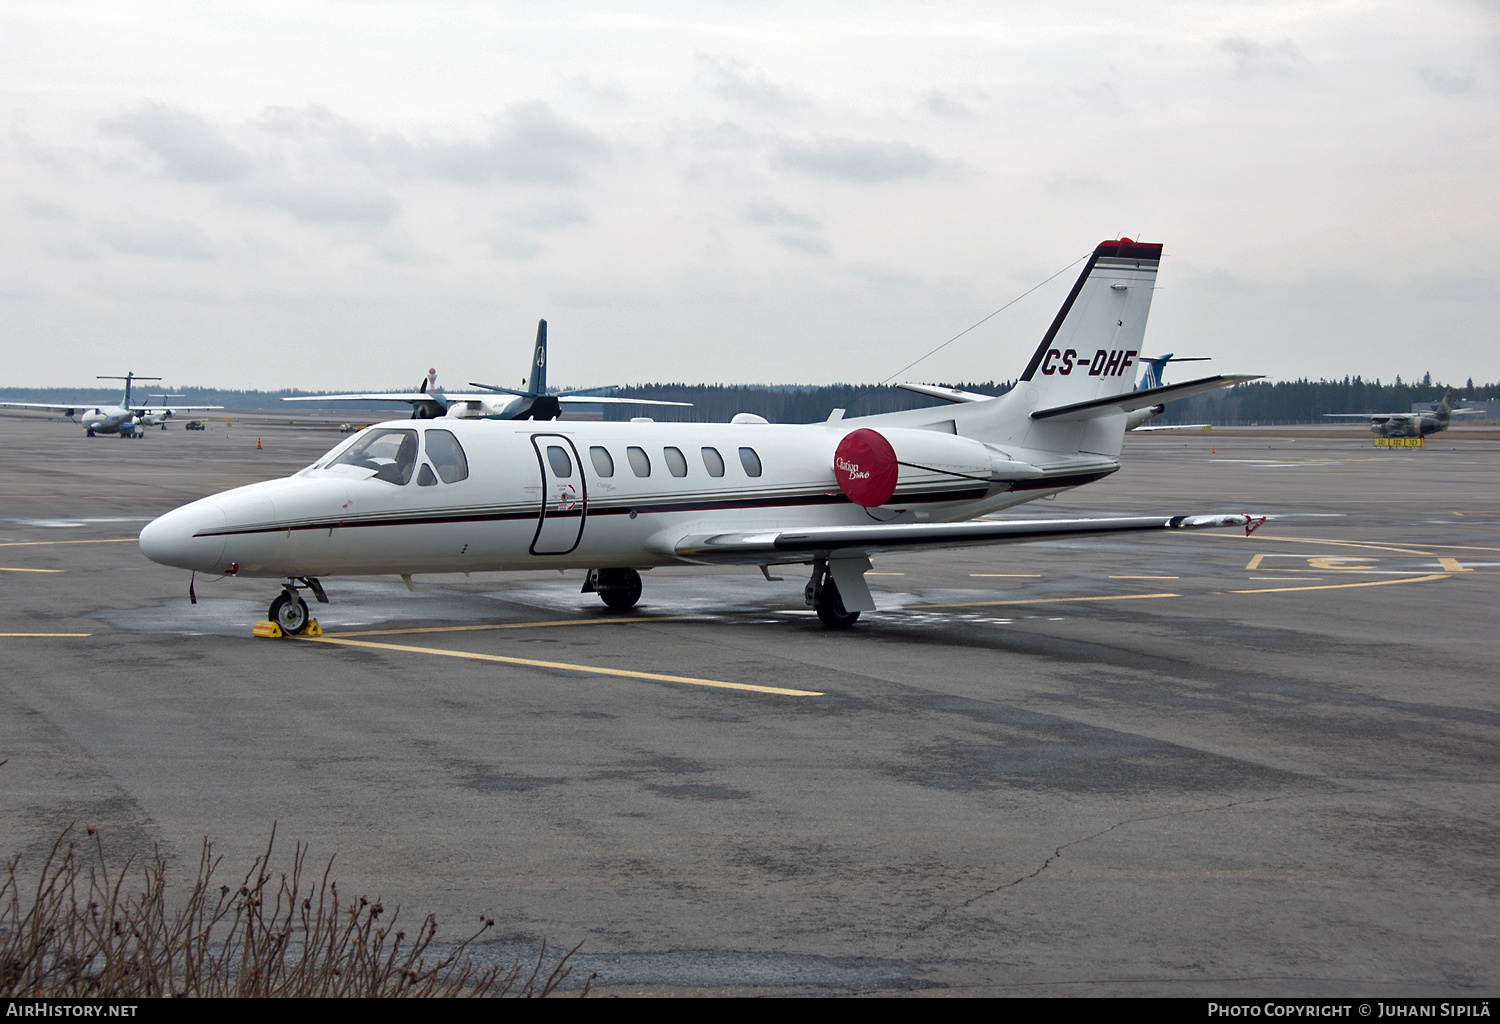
[{"x": 564, "y": 496}]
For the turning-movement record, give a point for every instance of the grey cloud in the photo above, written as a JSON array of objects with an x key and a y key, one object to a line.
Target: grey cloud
[
  {"x": 326, "y": 204},
  {"x": 158, "y": 240},
  {"x": 854, "y": 160},
  {"x": 810, "y": 244},
  {"x": 47, "y": 211},
  {"x": 550, "y": 216},
  {"x": 1446, "y": 84},
  {"x": 1062, "y": 184},
  {"x": 190, "y": 148},
  {"x": 741, "y": 83},
  {"x": 317, "y": 126},
  {"x": 532, "y": 144},
  {"x": 937, "y": 103},
  {"x": 774, "y": 214},
  {"x": 1253, "y": 58},
  {"x": 516, "y": 247}
]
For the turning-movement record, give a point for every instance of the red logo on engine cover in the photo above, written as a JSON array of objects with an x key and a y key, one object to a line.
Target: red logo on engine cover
[{"x": 864, "y": 464}]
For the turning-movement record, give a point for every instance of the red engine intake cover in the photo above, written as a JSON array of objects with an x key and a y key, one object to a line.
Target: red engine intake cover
[{"x": 864, "y": 464}]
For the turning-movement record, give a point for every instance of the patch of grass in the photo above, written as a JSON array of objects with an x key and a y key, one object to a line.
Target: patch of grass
[{"x": 81, "y": 930}]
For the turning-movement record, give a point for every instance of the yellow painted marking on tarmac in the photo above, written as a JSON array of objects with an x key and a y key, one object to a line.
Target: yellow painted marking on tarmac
[
  {"x": 1455, "y": 513},
  {"x": 1314, "y": 540},
  {"x": 1333, "y": 563},
  {"x": 1008, "y": 575},
  {"x": 46, "y": 634},
  {"x": 6, "y": 568},
  {"x": 1040, "y": 600},
  {"x": 1287, "y": 577},
  {"x": 1145, "y": 577},
  {"x": 519, "y": 625},
  {"x": 40, "y": 543},
  {"x": 1255, "y": 562},
  {"x": 1343, "y": 586},
  {"x": 593, "y": 670},
  {"x": 885, "y": 574},
  {"x": 1451, "y": 565}
]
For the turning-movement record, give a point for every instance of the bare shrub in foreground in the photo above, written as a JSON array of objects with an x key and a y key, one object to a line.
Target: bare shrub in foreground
[{"x": 83, "y": 931}]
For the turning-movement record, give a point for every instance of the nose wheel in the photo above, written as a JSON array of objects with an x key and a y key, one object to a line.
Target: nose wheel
[{"x": 289, "y": 611}]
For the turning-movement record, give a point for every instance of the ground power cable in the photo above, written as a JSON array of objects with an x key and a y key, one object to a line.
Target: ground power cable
[{"x": 996, "y": 313}]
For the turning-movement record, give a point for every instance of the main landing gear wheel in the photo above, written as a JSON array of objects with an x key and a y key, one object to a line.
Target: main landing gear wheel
[
  {"x": 289, "y": 612},
  {"x": 830, "y": 607},
  {"x": 618, "y": 588}
]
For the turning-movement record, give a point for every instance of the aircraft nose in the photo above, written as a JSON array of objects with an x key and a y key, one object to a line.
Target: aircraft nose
[{"x": 190, "y": 537}]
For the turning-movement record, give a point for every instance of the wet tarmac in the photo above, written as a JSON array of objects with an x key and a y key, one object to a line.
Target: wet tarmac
[{"x": 1185, "y": 765}]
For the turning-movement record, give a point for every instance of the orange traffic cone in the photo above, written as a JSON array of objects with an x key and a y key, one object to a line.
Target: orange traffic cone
[
  {"x": 257, "y": 444},
  {"x": 1212, "y": 451}
]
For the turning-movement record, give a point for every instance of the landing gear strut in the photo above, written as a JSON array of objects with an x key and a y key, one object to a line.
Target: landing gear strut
[
  {"x": 822, "y": 595},
  {"x": 618, "y": 588},
  {"x": 289, "y": 611}
]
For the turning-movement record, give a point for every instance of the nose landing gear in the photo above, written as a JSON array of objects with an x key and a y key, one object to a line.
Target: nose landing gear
[
  {"x": 618, "y": 588},
  {"x": 289, "y": 611}
]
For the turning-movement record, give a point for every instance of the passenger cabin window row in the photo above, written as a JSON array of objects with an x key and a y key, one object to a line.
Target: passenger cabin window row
[{"x": 676, "y": 461}]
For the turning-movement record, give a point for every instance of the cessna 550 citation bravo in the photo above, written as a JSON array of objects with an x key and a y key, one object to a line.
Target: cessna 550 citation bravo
[{"x": 462, "y": 495}]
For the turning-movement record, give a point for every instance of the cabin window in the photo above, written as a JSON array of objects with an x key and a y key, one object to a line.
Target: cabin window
[
  {"x": 392, "y": 454},
  {"x": 447, "y": 456},
  {"x": 750, "y": 461},
  {"x": 638, "y": 460},
  {"x": 603, "y": 464},
  {"x": 425, "y": 476},
  {"x": 557, "y": 458},
  {"x": 676, "y": 461},
  {"x": 713, "y": 462}
]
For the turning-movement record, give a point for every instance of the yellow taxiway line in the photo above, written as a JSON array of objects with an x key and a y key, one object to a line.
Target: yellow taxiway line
[
  {"x": 1344, "y": 586},
  {"x": 593, "y": 670},
  {"x": 517, "y": 625},
  {"x": 46, "y": 634},
  {"x": 6, "y": 568},
  {"x": 41, "y": 543},
  {"x": 1038, "y": 600}
]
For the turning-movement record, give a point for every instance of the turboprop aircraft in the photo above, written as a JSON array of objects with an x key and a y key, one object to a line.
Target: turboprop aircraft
[
  {"x": 614, "y": 498},
  {"x": 536, "y": 403},
  {"x": 124, "y": 419},
  {"x": 1410, "y": 424}
]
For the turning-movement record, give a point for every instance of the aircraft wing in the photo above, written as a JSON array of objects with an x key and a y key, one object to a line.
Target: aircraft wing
[
  {"x": 55, "y": 406},
  {"x": 601, "y": 400},
  {"x": 946, "y": 394},
  {"x": 1373, "y": 417},
  {"x": 772, "y": 547},
  {"x": 391, "y": 396},
  {"x": 174, "y": 409},
  {"x": 1132, "y": 400}
]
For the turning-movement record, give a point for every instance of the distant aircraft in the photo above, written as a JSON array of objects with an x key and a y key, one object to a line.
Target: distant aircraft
[
  {"x": 125, "y": 419},
  {"x": 1150, "y": 379},
  {"x": 536, "y": 403},
  {"x": 1409, "y": 424},
  {"x": 614, "y": 498}
]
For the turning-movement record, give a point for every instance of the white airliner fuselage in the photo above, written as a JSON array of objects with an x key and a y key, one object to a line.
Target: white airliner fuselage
[{"x": 458, "y": 495}]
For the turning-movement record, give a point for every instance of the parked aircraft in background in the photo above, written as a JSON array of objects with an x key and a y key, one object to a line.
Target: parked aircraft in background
[
  {"x": 614, "y": 498},
  {"x": 125, "y": 419},
  {"x": 1409, "y": 424},
  {"x": 536, "y": 403}
]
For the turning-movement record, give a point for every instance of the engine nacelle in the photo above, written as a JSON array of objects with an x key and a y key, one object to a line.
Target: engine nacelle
[{"x": 900, "y": 466}]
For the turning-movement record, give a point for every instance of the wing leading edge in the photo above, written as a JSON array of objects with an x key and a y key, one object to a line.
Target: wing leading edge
[{"x": 771, "y": 547}]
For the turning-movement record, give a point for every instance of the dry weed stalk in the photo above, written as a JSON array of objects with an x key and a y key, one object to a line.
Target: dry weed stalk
[{"x": 81, "y": 933}]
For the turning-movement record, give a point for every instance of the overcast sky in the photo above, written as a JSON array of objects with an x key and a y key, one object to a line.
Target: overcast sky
[{"x": 339, "y": 195}]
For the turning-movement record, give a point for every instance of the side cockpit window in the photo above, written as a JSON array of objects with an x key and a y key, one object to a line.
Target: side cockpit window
[
  {"x": 392, "y": 454},
  {"x": 447, "y": 456}
]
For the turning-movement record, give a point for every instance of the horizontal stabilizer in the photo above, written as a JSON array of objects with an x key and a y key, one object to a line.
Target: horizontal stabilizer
[
  {"x": 1132, "y": 400},
  {"x": 769, "y": 546},
  {"x": 946, "y": 394}
]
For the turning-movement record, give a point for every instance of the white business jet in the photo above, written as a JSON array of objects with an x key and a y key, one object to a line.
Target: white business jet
[
  {"x": 494, "y": 403},
  {"x": 125, "y": 419},
  {"x": 461, "y": 495}
]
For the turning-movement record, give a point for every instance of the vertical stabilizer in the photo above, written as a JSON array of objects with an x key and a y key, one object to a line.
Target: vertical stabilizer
[
  {"x": 1092, "y": 349},
  {"x": 538, "y": 383}
]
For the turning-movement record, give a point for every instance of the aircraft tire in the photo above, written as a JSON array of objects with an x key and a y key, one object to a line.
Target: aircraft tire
[
  {"x": 90, "y": 433},
  {"x": 289, "y": 612},
  {"x": 830, "y": 607},
  {"x": 620, "y": 589}
]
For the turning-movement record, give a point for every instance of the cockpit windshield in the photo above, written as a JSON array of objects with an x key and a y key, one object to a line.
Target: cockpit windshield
[{"x": 391, "y": 453}]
